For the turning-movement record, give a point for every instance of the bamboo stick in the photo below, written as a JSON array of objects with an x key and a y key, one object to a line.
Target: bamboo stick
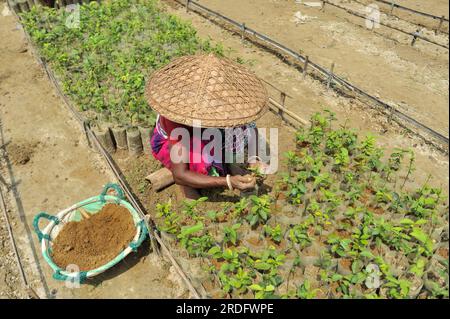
[
  {"x": 275, "y": 106},
  {"x": 330, "y": 75},
  {"x": 305, "y": 67},
  {"x": 160, "y": 179}
]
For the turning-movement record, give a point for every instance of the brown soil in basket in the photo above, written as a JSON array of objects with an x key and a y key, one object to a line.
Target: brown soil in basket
[{"x": 95, "y": 241}]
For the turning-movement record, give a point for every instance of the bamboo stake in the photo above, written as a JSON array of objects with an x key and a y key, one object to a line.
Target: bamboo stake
[
  {"x": 275, "y": 106},
  {"x": 305, "y": 67},
  {"x": 392, "y": 8},
  {"x": 330, "y": 75},
  {"x": 243, "y": 32},
  {"x": 441, "y": 21},
  {"x": 282, "y": 98},
  {"x": 187, "y": 5},
  {"x": 415, "y": 34}
]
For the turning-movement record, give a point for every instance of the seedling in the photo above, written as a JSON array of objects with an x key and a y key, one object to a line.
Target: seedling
[
  {"x": 190, "y": 208},
  {"x": 305, "y": 291},
  {"x": 263, "y": 291},
  {"x": 274, "y": 233},
  {"x": 195, "y": 245},
  {"x": 171, "y": 218},
  {"x": 260, "y": 209},
  {"x": 299, "y": 234},
  {"x": 230, "y": 234}
]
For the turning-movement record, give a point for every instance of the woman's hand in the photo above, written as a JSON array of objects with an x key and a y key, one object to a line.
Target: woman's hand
[{"x": 243, "y": 182}]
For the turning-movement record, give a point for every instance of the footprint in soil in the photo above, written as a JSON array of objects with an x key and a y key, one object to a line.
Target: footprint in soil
[{"x": 20, "y": 153}]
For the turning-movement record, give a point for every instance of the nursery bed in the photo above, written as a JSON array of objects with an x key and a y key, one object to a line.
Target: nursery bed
[{"x": 338, "y": 209}]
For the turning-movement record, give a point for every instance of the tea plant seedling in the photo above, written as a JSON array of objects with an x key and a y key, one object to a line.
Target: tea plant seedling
[{"x": 260, "y": 210}]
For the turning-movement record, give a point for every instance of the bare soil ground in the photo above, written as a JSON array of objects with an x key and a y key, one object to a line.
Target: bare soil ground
[
  {"x": 307, "y": 96},
  {"x": 415, "y": 79},
  {"x": 51, "y": 167}
]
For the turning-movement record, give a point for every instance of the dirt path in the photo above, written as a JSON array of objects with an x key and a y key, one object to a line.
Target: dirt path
[
  {"x": 308, "y": 96},
  {"x": 415, "y": 79},
  {"x": 51, "y": 167}
]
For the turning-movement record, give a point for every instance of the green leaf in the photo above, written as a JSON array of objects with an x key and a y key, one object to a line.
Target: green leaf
[
  {"x": 188, "y": 230},
  {"x": 256, "y": 287},
  {"x": 260, "y": 265},
  {"x": 215, "y": 251},
  {"x": 269, "y": 288},
  {"x": 253, "y": 220},
  {"x": 336, "y": 277},
  {"x": 421, "y": 236},
  {"x": 367, "y": 254},
  {"x": 407, "y": 221}
]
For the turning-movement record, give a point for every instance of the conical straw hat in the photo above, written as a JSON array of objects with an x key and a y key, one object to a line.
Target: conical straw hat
[{"x": 216, "y": 91}]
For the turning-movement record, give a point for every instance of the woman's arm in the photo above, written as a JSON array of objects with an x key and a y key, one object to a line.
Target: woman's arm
[{"x": 183, "y": 176}]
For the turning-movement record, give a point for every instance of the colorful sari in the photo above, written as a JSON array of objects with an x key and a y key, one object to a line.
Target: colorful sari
[{"x": 209, "y": 164}]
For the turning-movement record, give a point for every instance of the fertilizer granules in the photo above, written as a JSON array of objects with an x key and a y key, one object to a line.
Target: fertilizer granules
[{"x": 94, "y": 241}]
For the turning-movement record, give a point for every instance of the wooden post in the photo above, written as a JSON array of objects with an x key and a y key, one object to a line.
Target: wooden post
[
  {"x": 441, "y": 21},
  {"x": 243, "y": 32},
  {"x": 415, "y": 34},
  {"x": 282, "y": 98},
  {"x": 187, "y": 5},
  {"x": 305, "y": 67},
  {"x": 282, "y": 101},
  {"x": 392, "y": 7},
  {"x": 323, "y": 6},
  {"x": 330, "y": 75}
]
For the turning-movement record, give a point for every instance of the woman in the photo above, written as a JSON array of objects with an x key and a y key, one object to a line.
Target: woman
[{"x": 216, "y": 93}]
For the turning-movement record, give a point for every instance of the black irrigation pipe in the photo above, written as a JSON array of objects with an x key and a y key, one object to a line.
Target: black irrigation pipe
[
  {"x": 394, "y": 5},
  {"x": 113, "y": 166},
  {"x": 414, "y": 35},
  {"x": 328, "y": 74}
]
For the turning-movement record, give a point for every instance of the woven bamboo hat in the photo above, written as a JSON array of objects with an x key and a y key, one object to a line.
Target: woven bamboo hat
[{"x": 214, "y": 90}]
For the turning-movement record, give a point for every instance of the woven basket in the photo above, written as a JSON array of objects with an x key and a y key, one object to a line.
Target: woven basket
[
  {"x": 216, "y": 91},
  {"x": 92, "y": 205}
]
